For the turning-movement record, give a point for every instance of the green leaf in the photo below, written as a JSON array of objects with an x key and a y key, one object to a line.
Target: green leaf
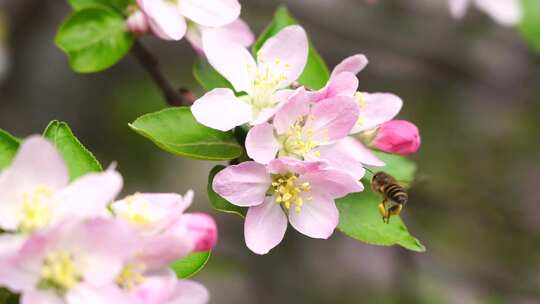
[
  {"x": 190, "y": 265},
  {"x": 175, "y": 130},
  {"x": 530, "y": 23},
  {"x": 94, "y": 39},
  {"x": 208, "y": 77},
  {"x": 79, "y": 160},
  {"x": 118, "y": 5},
  {"x": 218, "y": 202},
  {"x": 8, "y": 148},
  {"x": 399, "y": 167},
  {"x": 359, "y": 218},
  {"x": 315, "y": 74}
]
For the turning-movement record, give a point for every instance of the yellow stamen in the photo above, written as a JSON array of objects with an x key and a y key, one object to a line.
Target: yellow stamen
[
  {"x": 131, "y": 276},
  {"x": 60, "y": 272},
  {"x": 35, "y": 210},
  {"x": 288, "y": 191}
]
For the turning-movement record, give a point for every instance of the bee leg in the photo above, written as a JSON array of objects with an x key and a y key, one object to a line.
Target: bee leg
[{"x": 384, "y": 213}]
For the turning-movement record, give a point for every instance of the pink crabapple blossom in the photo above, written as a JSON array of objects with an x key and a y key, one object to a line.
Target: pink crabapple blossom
[
  {"x": 397, "y": 136},
  {"x": 279, "y": 63},
  {"x": 169, "y": 19},
  {"x": 237, "y": 32},
  {"x": 505, "y": 12},
  {"x": 35, "y": 191},
  {"x": 285, "y": 190}
]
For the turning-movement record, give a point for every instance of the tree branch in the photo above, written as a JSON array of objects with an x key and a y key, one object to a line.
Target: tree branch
[{"x": 181, "y": 97}]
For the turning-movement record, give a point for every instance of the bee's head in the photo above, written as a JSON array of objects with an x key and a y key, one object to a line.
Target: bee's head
[{"x": 379, "y": 179}]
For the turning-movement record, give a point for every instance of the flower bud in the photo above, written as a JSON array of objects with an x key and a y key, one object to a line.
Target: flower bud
[
  {"x": 202, "y": 229},
  {"x": 137, "y": 23},
  {"x": 398, "y": 137}
]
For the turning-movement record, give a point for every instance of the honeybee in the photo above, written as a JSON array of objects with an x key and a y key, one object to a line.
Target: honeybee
[{"x": 395, "y": 196}]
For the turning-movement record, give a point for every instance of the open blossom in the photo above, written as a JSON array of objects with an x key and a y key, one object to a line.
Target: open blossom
[
  {"x": 505, "y": 12},
  {"x": 397, "y": 136},
  {"x": 279, "y": 63},
  {"x": 35, "y": 191},
  {"x": 310, "y": 131},
  {"x": 169, "y": 19},
  {"x": 301, "y": 191},
  {"x": 72, "y": 262}
]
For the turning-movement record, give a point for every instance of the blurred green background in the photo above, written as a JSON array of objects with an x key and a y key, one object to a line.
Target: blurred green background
[{"x": 470, "y": 85}]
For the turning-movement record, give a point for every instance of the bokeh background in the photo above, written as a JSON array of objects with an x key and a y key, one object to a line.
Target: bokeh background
[{"x": 471, "y": 86}]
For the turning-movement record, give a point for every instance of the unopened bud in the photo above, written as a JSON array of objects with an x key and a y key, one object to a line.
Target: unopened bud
[
  {"x": 137, "y": 23},
  {"x": 398, "y": 137},
  {"x": 202, "y": 229}
]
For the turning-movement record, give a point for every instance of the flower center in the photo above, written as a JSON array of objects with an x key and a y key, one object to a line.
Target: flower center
[
  {"x": 298, "y": 141},
  {"x": 131, "y": 275},
  {"x": 265, "y": 81},
  {"x": 136, "y": 210},
  {"x": 362, "y": 104},
  {"x": 35, "y": 210},
  {"x": 288, "y": 191},
  {"x": 59, "y": 272}
]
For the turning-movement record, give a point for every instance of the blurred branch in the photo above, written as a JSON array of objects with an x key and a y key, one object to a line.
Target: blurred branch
[{"x": 180, "y": 97}]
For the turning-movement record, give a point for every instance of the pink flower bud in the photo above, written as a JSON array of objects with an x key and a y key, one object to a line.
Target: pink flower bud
[
  {"x": 137, "y": 23},
  {"x": 397, "y": 136},
  {"x": 202, "y": 229}
]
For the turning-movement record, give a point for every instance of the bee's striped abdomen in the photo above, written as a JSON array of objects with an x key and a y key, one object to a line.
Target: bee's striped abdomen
[{"x": 396, "y": 193}]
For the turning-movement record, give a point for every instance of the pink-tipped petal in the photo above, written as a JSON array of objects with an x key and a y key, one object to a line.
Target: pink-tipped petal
[
  {"x": 342, "y": 84},
  {"x": 506, "y": 12},
  {"x": 244, "y": 184},
  {"x": 296, "y": 106},
  {"x": 284, "y": 165},
  {"x": 353, "y": 64},
  {"x": 89, "y": 195},
  {"x": 331, "y": 183},
  {"x": 230, "y": 59},
  {"x": 352, "y": 148},
  {"x": 158, "y": 251},
  {"x": 202, "y": 230},
  {"x": 285, "y": 54},
  {"x": 339, "y": 157},
  {"x": 261, "y": 144},
  {"x": 220, "y": 109},
  {"x": 210, "y": 12},
  {"x": 237, "y": 32},
  {"x": 265, "y": 226},
  {"x": 378, "y": 109},
  {"x": 164, "y": 18},
  {"x": 317, "y": 218},
  {"x": 397, "y": 136},
  {"x": 332, "y": 119}
]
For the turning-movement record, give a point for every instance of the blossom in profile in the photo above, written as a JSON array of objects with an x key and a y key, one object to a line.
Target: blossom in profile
[
  {"x": 398, "y": 137},
  {"x": 285, "y": 190},
  {"x": 236, "y": 32},
  {"x": 169, "y": 19},
  {"x": 35, "y": 191},
  {"x": 278, "y": 64},
  {"x": 505, "y": 12}
]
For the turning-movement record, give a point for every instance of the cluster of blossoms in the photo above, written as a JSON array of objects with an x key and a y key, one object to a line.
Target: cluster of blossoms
[
  {"x": 309, "y": 147},
  {"x": 64, "y": 242},
  {"x": 193, "y": 19}
]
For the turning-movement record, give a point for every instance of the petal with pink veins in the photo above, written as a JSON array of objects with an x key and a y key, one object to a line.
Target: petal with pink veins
[
  {"x": 261, "y": 144},
  {"x": 285, "y": 54},
  {"x": 331, "y": 183},
  {"x": 210, "y": 12},
  {"x": 220, "y": 109},
  {"x": 244, "y": 184},
  {"x": 231, "y": 60},
  {"x": 265, "y": 226},
  {"x": 342, "y": 84},
  {"x": 350, "y": 155},
  {"x": 165, "y": 19},
  {"x": 332, "y": 119},
  {"x": 284, "y": 165},
  {"x": 353, "y": 64},
  {"x": 378, "y": 108},
  {"x": 317, "y": 218}
]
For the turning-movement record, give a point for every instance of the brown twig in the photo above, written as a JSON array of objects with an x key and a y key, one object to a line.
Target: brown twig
[{"x": 173, "y": 97}]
